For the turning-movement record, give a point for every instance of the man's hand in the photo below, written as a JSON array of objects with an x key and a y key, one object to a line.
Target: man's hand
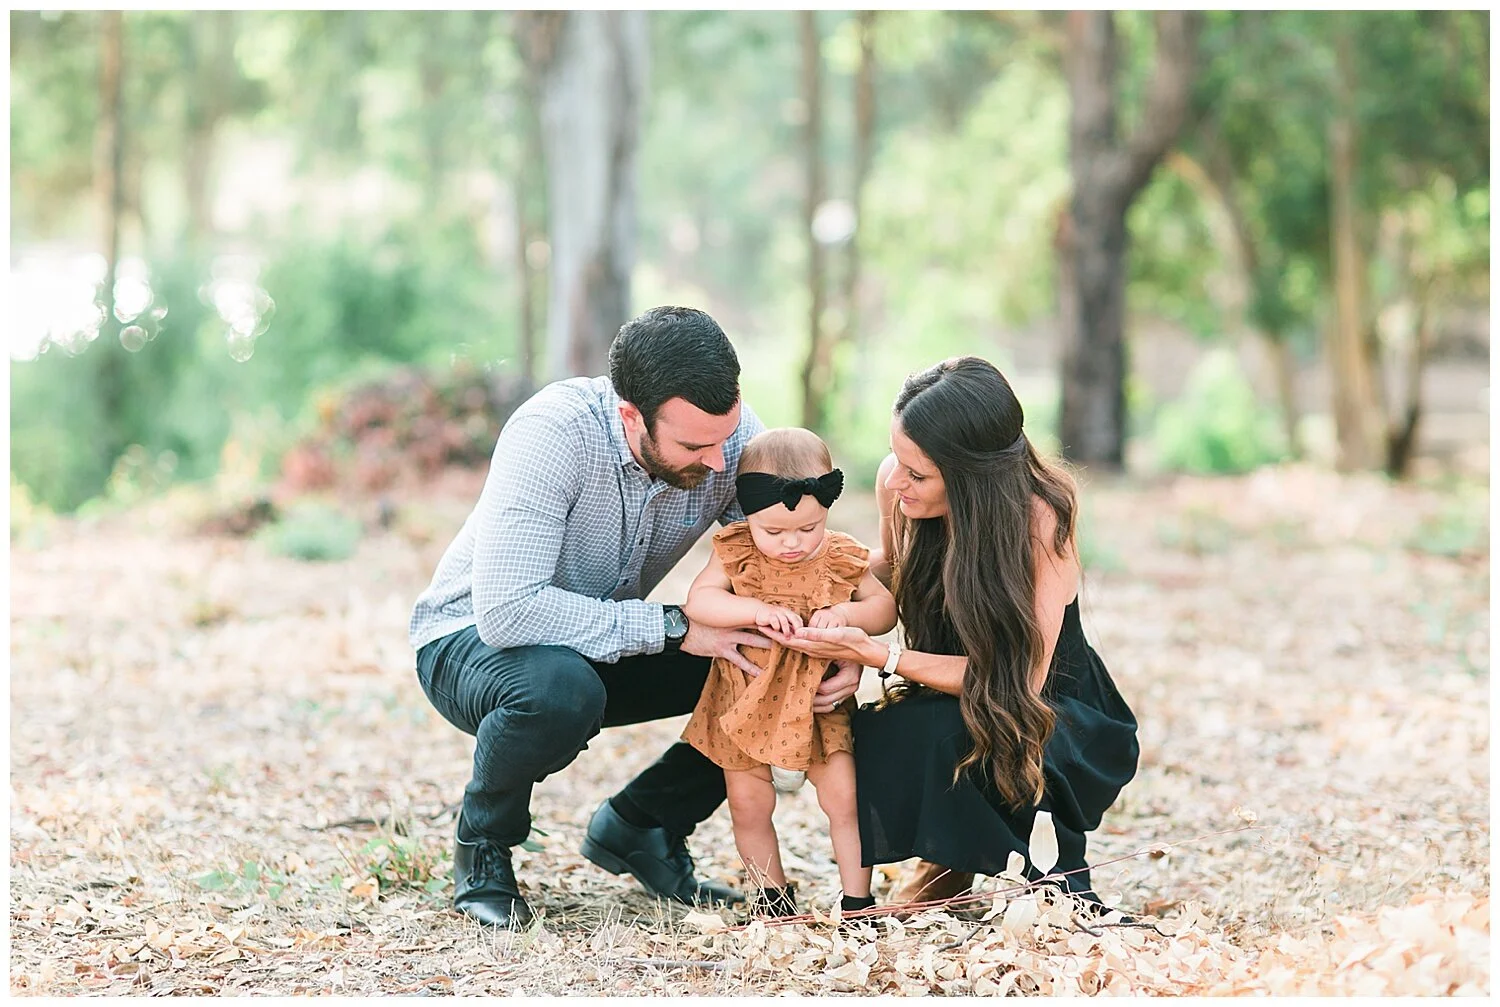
[
  {"x": 709, "y": 641},
  {"x": 839, "y": 683}
]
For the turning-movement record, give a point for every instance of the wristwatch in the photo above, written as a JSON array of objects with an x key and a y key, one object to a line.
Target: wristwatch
[
  {"x": 892, "y": 658},
  {"x": 674, "y": 626}
]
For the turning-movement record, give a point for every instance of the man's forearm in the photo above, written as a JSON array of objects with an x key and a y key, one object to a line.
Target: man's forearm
[{"x": 600, "y": 630}]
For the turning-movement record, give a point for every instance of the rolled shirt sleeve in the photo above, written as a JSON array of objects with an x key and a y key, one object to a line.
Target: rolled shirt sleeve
[
  {"x": 569, "y": 533},
  {"x": 534, "y": 481}
]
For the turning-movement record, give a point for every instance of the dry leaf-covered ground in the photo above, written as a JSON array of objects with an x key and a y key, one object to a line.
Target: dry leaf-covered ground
[{"x": 203, "y": 737}]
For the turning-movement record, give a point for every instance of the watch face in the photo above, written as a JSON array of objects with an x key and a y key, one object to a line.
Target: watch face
[{"x": 676, "y": 622}]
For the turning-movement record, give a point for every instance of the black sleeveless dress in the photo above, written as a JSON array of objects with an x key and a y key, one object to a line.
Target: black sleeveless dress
[{"x": 905, "y": 753}]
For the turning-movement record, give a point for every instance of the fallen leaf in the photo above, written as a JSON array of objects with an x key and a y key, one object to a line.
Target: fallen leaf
[{"x": 708, "y": 923}]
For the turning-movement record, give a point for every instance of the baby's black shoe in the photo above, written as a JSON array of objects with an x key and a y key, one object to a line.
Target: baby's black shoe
[
  {"x": 854, "y": 903},
  {"x": 775, "y": 902}
]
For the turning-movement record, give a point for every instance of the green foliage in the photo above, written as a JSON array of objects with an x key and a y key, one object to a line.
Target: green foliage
[
  {"x": 250, "y": 878},
  {"x": 1198, "y": 530},
  {"x": 343, "y": 308},
  {"x": 398, "y": 861},
  {"x": 1461, "y": 528},
  {"x": 54, "y": 417},
  {"x": 1174, "y": 254},
  {"x": 1263, "y": 106},
  {"x": 1450, "y": 235},
  {"x": 1095, "y": 556},
  {"x": 431, "y": 112},
  {"x": 312, "y": 532},
  {"x": 1217, "y": 425},
  {"x": 29, "y": 520},
  {"x": 963, "y": 250}
]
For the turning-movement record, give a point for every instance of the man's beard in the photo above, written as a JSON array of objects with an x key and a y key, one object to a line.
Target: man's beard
[{"x": 684, "y": 478}]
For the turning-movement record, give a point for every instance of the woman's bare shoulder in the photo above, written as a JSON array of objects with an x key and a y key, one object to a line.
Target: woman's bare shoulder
[{"x": 1044, "y": 523}]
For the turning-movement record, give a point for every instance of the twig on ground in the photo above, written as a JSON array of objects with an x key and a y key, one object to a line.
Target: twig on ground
[
  {"x": 391, "y": 822},
  {"x": 952, "y": 945},
  {"x": 668, "y": 963}
]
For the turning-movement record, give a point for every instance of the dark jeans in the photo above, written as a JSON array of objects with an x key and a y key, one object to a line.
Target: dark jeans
[{"x": 533, "y": 709}]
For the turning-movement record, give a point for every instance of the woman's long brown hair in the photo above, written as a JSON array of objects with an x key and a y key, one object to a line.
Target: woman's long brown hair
[{"x": 966, "y": 584}]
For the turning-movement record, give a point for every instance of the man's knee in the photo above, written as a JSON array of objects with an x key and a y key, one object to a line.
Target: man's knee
[{"x": 565, "y": 691}]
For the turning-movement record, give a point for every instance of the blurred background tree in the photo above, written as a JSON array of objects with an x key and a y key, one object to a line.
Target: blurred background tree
[{"x": 1225, "y": 240}]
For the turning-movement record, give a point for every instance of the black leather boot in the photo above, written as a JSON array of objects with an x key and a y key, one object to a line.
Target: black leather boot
[
  {"x": 657, "y": 859},
  {"x": 484, "y": 885}
]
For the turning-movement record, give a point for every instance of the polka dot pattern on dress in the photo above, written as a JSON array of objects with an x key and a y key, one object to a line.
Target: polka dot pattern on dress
[{"x": 742, "y": 722}]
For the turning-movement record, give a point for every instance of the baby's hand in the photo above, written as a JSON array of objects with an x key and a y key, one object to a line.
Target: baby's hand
[
  {"x": 783, "y": 620},
  {"x": 829, "y": 618}
]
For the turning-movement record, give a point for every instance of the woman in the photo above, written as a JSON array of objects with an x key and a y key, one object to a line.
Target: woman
[{"x": 1005, "y": 709}]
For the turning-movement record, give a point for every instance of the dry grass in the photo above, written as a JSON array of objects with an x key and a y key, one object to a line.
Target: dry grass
[{"x": 193, "y": 719}]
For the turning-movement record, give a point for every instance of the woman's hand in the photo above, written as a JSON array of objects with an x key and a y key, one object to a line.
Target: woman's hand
[
  {"x": 831, "y": 617},
  {"x": 774, "y": 617},
  {"x": 843, "y": 643}
]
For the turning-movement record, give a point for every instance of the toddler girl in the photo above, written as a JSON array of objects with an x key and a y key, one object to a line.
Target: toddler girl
[{"x": 781, "y": 568}]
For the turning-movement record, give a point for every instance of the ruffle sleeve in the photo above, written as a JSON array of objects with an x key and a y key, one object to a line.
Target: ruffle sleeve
[
  {"x": 736, "y": 551},
  {"x": 846, "y": 565}
]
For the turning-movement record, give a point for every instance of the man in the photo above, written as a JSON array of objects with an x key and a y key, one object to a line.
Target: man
[{"x": 533, "y": 633}]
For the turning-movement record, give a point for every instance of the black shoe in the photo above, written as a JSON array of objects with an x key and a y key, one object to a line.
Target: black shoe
[
  {"x": 657, "y": 859},
  {"x": 854, "y": 904},
  {"x": 484, "y": 885},
  {"x": 1088, "y": 904},
  {"x": 775, "y": 902}
]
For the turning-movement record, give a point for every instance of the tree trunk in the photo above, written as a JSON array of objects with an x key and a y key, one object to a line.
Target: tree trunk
[
  {"x": 1401, "y": 440},
  {"x": 813, "y": 379},
  {"x": 592, "y": 69},
  {"x": 1216, "y": 181},
  {"x": 535, "y": 39},
  {"x": 864, "y": 150},
  {"x": 1285, "y": 371},
  {"x": 1356, "y": 407},
  {"x": 210, "y": 43},
  {"x": 109, "y": 155},
  {"x": 433, "y": 74},
  {"x": 525, "y": 302},
  {"x": 1108, "y": 173}
]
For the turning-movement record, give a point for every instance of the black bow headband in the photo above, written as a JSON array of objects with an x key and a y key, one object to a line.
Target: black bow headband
[{"x": 758, "y": 490}]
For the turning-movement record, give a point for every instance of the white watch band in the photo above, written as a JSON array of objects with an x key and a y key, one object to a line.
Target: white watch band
[{"x": 893, "y": 655}]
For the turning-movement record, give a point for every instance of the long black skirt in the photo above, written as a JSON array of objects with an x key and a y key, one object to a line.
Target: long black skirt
[{"x": 906, "y": 751}]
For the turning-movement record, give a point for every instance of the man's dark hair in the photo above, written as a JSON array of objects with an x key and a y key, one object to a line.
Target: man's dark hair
[{"x": 671, "y": 352}]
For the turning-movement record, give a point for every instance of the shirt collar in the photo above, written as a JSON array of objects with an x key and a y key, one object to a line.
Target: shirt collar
[{"x": 611, "y": 401}]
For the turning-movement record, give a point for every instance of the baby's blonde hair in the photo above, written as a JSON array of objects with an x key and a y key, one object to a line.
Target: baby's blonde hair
[{"x": 787, "y": 452}]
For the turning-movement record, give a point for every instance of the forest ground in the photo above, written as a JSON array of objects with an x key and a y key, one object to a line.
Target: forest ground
[{"x": 225, "y": 778}]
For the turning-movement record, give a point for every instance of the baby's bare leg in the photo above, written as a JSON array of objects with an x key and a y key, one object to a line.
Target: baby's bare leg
[
  {"x": 834, "y": 780},
  {"x": 752, "y": 799}
]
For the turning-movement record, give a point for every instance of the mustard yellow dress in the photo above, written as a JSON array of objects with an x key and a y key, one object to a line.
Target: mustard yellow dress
[{"x": 742, "y": 722}]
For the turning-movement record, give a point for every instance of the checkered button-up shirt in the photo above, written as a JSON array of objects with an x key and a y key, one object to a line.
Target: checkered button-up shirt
[{"x": 570, "y": 533}]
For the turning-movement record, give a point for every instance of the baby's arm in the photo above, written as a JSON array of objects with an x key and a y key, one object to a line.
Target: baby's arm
[
  {"x": 872, "y": 609},
  {"x": 711, "y": 601}
]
